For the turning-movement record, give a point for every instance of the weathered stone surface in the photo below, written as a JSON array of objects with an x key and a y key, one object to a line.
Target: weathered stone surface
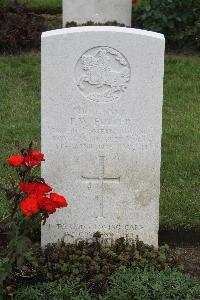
[
  {"x": 102, "y": 93},
  {"x": 82, "y": 11}
]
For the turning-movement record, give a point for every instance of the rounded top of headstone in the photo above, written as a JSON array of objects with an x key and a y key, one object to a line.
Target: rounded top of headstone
[
  {"x": 94, "y": 29},
  {"x": 97, "y": 11}
]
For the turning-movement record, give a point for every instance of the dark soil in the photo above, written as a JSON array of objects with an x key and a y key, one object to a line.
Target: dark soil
[
  {"x": 179, "y": 237},
  {"x": 190, "y": 259},
  {"x": 52, "y": 22},
  {"x": 189, "y": 245}
]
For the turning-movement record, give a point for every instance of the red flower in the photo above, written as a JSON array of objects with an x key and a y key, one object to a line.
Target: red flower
[
  {"x": 30, "y": 205},
  {"x": 37, "y": 199},
  {"x": 134, "y": 1},
  {"x": 33, "y": 159},
  {"x": 48, "y": 205},
  {"x": 36, "y": 188},
  {"x": 16, "y": 160},
  {"x": 60, "y": 201}
]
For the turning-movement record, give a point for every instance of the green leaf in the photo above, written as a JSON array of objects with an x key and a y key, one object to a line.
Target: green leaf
[
  {"x": 30, "y": 258},
  {"x": 20, "y": 261},
  {"x": 22, "y": 246},
  {"x": 5, "y": 269}
]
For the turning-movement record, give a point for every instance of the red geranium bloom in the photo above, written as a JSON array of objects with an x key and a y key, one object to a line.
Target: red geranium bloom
[
  {"x": 30, "y": 205},
  {"x": 37, "y": 188},
  {"x": 48, "y": 205},
  {"x": 16, "y": 161},
  {"x": 33, "y": 159},
  {"x": 60, "y": 201}
]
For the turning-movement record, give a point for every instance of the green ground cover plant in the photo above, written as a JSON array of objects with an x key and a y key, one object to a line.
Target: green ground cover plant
[
  {"x": 93, "y": 264},
  {"x": 53, "y": 291},
  {"x": 179, "y": 203},
  {"x": 126, "y": 284},
  {"x": 147, "y": 284},
  {"x": 90, "y": 265}
]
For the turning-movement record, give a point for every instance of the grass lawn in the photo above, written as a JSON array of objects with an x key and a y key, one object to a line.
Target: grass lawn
[
  {"x": 179, "y": 203},
  {"x": 47, "y": 4}
]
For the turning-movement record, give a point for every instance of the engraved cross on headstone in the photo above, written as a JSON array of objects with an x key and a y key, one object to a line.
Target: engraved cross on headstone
[{"x": 101, "y": 179}]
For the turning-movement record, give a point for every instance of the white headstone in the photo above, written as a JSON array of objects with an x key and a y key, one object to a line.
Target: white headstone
[
  {"x": 97, "y": 11},
  {"x": 102, "y": 90}
]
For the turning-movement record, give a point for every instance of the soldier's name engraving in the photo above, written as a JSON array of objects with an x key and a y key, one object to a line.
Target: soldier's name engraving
[{"x": 110, "y": 120}]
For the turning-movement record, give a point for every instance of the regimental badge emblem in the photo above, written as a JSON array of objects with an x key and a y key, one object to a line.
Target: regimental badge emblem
[{"x": 102, "y": 74}]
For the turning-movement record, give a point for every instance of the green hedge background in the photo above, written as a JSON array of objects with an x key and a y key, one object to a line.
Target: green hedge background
[{"x": 178, "y": 20}]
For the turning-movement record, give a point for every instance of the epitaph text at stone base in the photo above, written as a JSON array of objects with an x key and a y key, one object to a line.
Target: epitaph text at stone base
[{"x": 102, "y": 90}]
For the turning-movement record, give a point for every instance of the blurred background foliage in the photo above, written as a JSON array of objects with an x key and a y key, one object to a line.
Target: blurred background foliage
[{"x": 178, "y": 20}]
